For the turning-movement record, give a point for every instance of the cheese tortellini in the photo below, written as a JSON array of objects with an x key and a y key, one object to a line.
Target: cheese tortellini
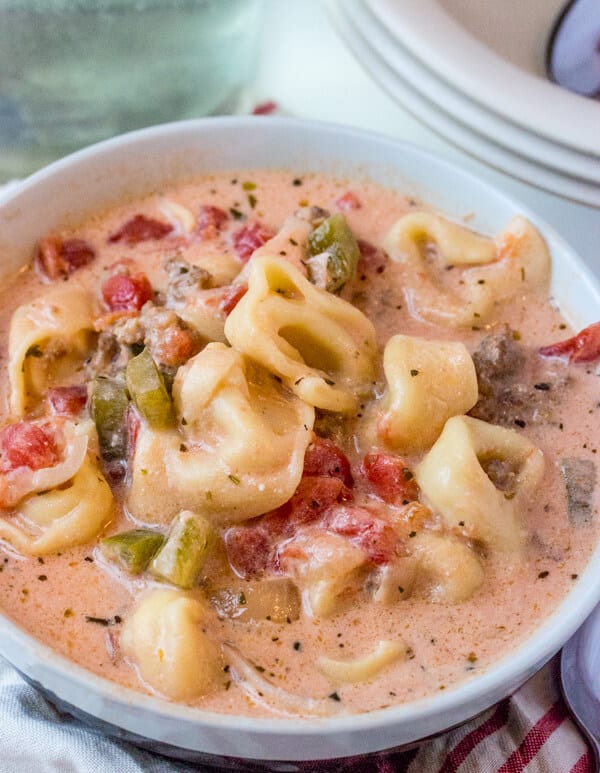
[
  {"x": 240, "y": 452},
  {"x": 321, "y": 346},
  {"x": 480, "y": 477},
  {"x": 324, "y": 566},
  {"x": 62, "y": 517},
  {"x": 517, "y": 262},
  {"x": 428, "y": 382},
  {"x": 164, "y": 638},
  {"x": 450, "y": 568},
  {"x": 49, "y": 338}
]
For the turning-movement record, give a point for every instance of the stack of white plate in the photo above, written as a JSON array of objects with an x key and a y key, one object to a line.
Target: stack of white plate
[{"x": 474, "y": 72}]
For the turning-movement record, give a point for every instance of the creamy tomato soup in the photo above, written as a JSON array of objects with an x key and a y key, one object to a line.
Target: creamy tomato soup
[{"x": 277, "y": 445}]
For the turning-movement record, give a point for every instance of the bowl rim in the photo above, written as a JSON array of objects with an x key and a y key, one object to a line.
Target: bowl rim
[{"x": 20, "y": 647}]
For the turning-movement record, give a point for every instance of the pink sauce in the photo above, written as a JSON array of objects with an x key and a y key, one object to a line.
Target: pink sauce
[{"x": 55, "y": 597}]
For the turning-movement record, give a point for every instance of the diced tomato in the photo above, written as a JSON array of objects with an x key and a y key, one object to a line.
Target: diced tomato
[
  {"x": 140, "y": 229},
  {"x": 175, "y": 346},
  {"x": 210, "y": 221},
  {"x": 59, "y": 258},
  {"x": 310, "y": 500},
  {"x": 67, "y": 401},
  {"x": 24, "y": 444},
  {"x": 583, "y": 347},
  {"x": 348, "y": 201},
  {"x": 265, "y": 108},
  {"x": 250, "y": 237},
  {"x": 324, "y": 458},
  {"x": 373, "y": 535},
  {"x": 372, "y": 259},
  {"x": 125, "y": 292},
  {"x": 390, "y": 478},
  {"x": 249, "y": 550},
  {"x": 232, "y": 296}
]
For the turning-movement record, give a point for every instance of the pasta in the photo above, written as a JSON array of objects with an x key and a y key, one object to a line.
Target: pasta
[
  {"x": 322, "y": 347},
  {"x": 517, "y": 262},
  {"x": 239, "y": 453},
  {"x": 49, "y": 338},
  {"x": 361, "y": 669},
  {"x": 61, "y": 517},
  {"x": 454, "y": 480},
  {"x": 428, "y": 382},
  {"x": 164, "y": 639}
]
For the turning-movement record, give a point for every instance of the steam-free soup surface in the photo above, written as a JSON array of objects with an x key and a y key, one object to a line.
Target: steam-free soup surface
[{"x": 78, "y": 601}]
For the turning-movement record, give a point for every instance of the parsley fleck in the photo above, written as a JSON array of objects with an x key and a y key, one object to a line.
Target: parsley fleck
[
  {"x": 414, "y": 372},
  {"x": 234, "y": 479},
  {"x": 235, "y": 213}
]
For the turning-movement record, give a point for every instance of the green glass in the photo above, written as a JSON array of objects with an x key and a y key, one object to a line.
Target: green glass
[{"x": 76, "y": 71}]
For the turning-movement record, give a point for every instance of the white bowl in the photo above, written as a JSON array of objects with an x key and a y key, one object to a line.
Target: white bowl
[
  {"x": 138, "y": 162},
  {"x": 466, "y": 111},
  {"x": 438, "y": 40},
  {"x": 460, "y": 120}
]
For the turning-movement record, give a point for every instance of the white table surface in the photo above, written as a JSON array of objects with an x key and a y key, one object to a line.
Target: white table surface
[{"x": 306, "y": 68}]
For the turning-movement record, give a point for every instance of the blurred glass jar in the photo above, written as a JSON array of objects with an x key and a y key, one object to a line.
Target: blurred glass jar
[{"x": 76, "y": 71}]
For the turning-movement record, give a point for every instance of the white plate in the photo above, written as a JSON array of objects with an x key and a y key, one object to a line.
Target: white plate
[
  {"x": 443, "y": 123},
  {"x": 464, "y": 110},
  {"x": 439, "y": 42}
]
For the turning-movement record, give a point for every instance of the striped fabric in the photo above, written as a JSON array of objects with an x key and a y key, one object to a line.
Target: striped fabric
[{"x": 531, "y": 732}]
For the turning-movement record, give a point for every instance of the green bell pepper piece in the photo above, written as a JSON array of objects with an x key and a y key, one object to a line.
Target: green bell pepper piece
[
  {"x": 334, "y": 237},
  {"x": 181, "y": 557},
  {"x": 133, "y": 550},
  {"x": 148, "y": 391},
  {"x": 108, "y": 406}
]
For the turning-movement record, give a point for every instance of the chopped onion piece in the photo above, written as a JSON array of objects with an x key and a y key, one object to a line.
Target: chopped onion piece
[
  {"x": 361, "y": 669},
  {"x": 262, "y": 691}
]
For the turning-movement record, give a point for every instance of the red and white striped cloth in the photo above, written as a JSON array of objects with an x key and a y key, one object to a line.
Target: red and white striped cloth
[{"x": 530, "y": 732}]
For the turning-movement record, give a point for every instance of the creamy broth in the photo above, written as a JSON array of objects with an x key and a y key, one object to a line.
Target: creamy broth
[{"x": 78, "y": 602}]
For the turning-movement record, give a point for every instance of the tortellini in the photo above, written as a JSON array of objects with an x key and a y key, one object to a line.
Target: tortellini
[
  {"x": 517, "y": 262},
  {"x": 63, "y": 517},
  {"x": 362, "y": 669},
  {"x": 323, "y": 566},
  {"x": 49, "y": 338},
  {"x": 456, "y": 480},
  {"x": 321, "y": 346},
  {"x": 450, "y": 567},
  {"x": 240, "y": 451},
  {"x": 164, "y": 638},
  {"x": 428, "y": 382}
]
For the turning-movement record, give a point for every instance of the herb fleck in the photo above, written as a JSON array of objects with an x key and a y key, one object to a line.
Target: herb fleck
[
  {"x": 234, "y": 479},
  {"x": 414, "y": 372},
  {"x": 543, "y": 575},
  {"x": 297, "y": 646},
  {"x": 334, "y": 697},
  {"x": 235, "y": 213}
]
